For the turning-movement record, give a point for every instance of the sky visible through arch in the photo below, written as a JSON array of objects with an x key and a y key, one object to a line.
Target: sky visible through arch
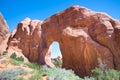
[{"x": 15, "y": 11}]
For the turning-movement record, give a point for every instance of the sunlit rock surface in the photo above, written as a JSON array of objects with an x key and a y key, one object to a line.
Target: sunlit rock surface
[{"x": 86, "y": 38}]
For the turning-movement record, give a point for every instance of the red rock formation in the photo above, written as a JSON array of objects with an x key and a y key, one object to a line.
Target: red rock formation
[
  {"x": 4, "y": 33},
  {"x": 25, "y": 39},
  {"x": 87, "y": 39}
]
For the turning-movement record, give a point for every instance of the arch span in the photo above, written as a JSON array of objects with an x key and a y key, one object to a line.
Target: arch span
[
  {"x": 86, "y": 38},
  {"x": 82, "y": 39}
]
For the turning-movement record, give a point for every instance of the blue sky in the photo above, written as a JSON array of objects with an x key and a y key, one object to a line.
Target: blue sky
[{"x": 15, "y": 11}]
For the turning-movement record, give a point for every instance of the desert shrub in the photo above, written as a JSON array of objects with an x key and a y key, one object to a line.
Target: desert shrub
[
  {"x": 98, "y": 74},
  {"x": 60, "y": 74},
  {"x": 20, "y": 78},
  {"x": 5, "y": 52},
  {"x": 33, "y": 65},
  {"x": 12, "y": 74},
  {"x": 15, "y": 62},
  {"x": 20, "y": 59},
  {"x": 36, "y": 75},
  {"x": 57, "y": 63},
  {"x": 14, "y": 56},
  {"x": 110, "y": 74}
]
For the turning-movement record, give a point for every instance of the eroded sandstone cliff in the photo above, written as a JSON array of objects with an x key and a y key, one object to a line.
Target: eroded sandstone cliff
[
  {"x": 86, "y": 38},
  {"x": 4, "y": 34}
]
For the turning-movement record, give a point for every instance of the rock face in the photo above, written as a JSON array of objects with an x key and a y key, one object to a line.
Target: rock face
[
  {"x": 25, "y": 39},
  {"x": 87, "y": 39},
  {"x": 4, "y": 31}
]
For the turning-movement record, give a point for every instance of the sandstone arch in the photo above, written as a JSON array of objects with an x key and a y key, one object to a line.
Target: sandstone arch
[{"x": 86, "y": 39}]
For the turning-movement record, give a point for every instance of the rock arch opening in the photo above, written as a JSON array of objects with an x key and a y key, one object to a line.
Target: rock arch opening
[
  {"x": 56, "y": 56},
  {"x": 55, "y": 50}
]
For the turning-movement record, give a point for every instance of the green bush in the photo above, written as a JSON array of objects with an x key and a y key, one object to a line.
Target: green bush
[
  {"x": 5, "y": 52},
  {"x": 20, "y": 78},
  {"x": 14, "y": 56},
  {"x": 57, "y": 63},
  {"x": 12, "y": 74},
  {"x": 20, "y": 59},
  {"x": 33, "y": 65},
  {"x": 60, "y": 74},
  {"x": 110, "y": 74},
  {"x": 15, "y": 62},
  {"x": 36, "y": 75},
  {"x": 98, "y": 74}
]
